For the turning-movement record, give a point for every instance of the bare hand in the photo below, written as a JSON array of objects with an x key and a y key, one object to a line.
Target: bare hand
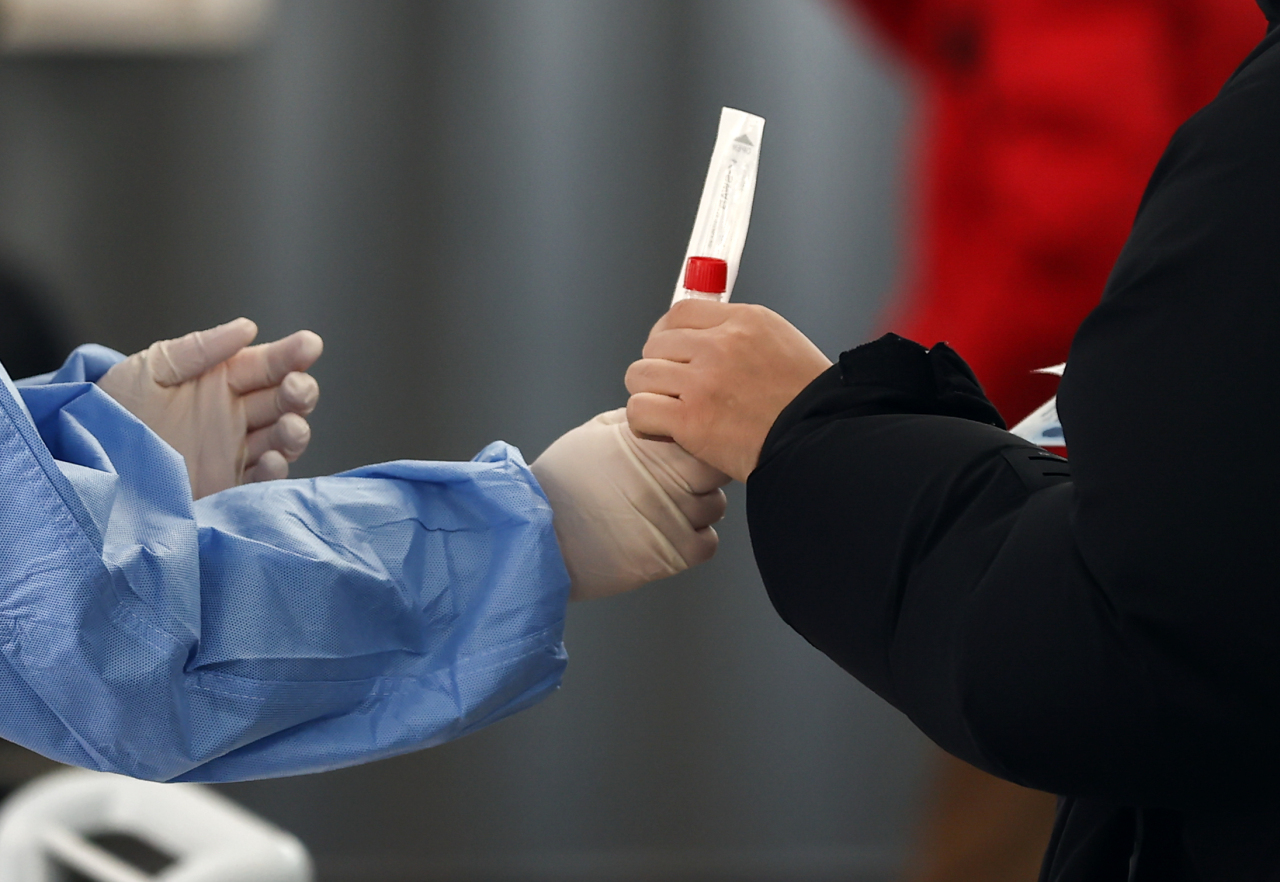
[{"x": 714, "y": 378}]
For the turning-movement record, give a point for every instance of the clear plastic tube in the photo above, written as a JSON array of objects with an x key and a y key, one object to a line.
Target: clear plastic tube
[{"x": 724, "y": 212}]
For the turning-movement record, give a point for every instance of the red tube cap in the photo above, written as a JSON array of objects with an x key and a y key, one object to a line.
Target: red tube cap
[{"x": 709, "y": 275}]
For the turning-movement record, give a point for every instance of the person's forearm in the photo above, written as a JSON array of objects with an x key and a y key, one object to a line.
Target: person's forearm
[{"x": 933, "y": 557}]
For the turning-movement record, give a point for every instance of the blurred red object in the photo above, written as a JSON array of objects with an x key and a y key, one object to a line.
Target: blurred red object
[{"x": 1041, "y": 122}]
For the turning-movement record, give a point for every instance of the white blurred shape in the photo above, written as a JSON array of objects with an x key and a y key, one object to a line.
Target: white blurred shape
[
  {"x": 1042, "y": 426},
  {"x": 138, "y": 26},
  {"x": 47, "y": 825}
]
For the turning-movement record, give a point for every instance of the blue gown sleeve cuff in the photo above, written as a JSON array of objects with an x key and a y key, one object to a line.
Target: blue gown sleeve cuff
[{"x": 86, "y": 364}]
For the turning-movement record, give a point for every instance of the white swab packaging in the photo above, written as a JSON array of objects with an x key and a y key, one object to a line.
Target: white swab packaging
[
  {"x": 724, "y": 213},
  {"x": 1043, "y": 426}
]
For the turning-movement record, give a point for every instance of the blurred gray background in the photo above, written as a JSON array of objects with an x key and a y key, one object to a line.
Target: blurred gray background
[{"x": 482, "y": 206}]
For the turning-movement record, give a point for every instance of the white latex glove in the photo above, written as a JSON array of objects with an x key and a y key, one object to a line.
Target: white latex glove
[
  {"x": 627, "y": 510},
  {"x": 234, "y": 411}
]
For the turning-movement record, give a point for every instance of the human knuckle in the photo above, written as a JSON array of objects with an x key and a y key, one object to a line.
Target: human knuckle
[
  {"x": 633, "y": 376},
  {"x": 681, "y": 307},
  {"x": 697, "y": 386},
  {"x": 637, "y": 411},
  {"x": 735, "y": 338},
  {"x": 719, "y": 503},
  {"x": 708, "y": 543}
]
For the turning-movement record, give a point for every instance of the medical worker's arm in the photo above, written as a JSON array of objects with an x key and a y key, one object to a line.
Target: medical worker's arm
[
  {"x": 270, "y": 629},
  {"x": 1110, "y": 634},
  {"x": 296, "y": 626}
]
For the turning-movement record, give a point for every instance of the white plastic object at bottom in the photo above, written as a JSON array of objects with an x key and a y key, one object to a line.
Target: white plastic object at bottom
[{"x": 50, "y": 826}]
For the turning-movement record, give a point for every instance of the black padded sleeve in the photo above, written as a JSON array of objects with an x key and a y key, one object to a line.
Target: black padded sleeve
[{"x": 1112, "y": 634}]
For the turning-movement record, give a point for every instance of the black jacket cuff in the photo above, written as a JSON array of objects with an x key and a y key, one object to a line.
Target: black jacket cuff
[{"x": 891, "y": 375}]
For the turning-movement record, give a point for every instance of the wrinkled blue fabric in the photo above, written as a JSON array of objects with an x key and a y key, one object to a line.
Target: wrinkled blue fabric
[{"x": 271, "y": 629}]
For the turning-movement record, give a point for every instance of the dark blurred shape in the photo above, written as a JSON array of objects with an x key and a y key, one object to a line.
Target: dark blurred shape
[
  {"x": 32, "y": 339},
  {"x": 979, "y": 827}
]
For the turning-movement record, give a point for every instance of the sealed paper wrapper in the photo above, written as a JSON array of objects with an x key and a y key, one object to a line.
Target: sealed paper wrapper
[
  {"x": 1043, "y": 427},
  {"x": 724, "y": 212}
]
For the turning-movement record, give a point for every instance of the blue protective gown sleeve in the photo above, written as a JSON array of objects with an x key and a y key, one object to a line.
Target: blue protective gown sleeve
[{"x": 272, "y": 629}]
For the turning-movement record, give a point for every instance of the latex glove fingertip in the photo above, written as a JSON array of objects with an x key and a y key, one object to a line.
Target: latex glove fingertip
[
  {"x": 704, "y": 549},
  {"x": 292, "y": 434},
  {"x": 271, "y": 467},
  {"x": 308, "y": 347},
  {"x": 299, "y": 393}
]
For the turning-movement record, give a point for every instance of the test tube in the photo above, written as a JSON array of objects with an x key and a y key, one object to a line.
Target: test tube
[{"x": 705, "y": 278}]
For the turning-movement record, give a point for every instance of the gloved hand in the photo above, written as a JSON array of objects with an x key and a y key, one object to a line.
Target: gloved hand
[
  {"x": 235, "y": 412},
  {"x": 627, "y": 510}
]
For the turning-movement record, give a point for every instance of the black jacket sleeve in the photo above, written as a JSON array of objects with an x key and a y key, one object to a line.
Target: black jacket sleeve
[{"x": 1112, "y": 634}]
